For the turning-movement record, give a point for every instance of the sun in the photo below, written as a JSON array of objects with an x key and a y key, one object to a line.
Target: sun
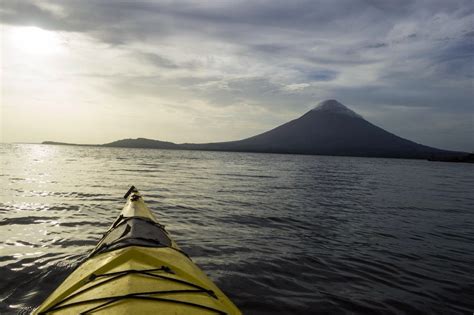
[{"x": 36, "y": 41}]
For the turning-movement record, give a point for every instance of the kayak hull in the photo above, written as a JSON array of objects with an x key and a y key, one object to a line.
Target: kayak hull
[{"x": 152, "y": 277}]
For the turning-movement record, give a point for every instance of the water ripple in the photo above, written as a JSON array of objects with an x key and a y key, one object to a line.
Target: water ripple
[{"x": 282, "y": 234}]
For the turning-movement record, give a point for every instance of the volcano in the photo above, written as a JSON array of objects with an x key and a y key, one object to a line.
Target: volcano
[{"x": 329, "y": 129}]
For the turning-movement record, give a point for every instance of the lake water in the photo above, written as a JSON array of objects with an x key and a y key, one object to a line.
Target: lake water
[{"x": 277, "y": 233}]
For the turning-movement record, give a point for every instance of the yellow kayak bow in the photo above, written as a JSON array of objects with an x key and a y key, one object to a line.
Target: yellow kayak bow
[{"x": 136, "y": 268}]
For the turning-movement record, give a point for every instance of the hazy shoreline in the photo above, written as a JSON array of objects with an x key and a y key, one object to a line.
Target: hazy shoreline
[{"x": 256, "y": 152}]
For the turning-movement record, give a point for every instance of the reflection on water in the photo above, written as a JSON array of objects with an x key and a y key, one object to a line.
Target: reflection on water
[{"x": 278, "y": 233}]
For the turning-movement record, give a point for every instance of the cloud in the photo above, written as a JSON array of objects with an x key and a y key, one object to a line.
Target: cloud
[{"x": 280, "y": 56}]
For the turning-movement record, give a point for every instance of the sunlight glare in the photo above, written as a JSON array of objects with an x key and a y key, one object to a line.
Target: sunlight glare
[{"x": 36, "y": 41}]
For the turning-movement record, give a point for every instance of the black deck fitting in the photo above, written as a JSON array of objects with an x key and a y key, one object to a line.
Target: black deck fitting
[{"x": 132, "y": 189}]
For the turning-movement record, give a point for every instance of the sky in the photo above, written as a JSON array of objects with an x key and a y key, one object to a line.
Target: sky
[{"x": 204, "y": 71}]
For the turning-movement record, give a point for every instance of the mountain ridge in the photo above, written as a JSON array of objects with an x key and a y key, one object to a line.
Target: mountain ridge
[{"x": 330, "y": 128}]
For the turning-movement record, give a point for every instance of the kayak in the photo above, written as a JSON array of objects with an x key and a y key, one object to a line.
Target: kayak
[{"x": 136, "y": 268}]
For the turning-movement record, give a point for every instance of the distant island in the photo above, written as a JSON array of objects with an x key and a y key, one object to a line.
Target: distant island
[
  {"x": 65, "y": 143},
  {"x": 329, "y": 129}
]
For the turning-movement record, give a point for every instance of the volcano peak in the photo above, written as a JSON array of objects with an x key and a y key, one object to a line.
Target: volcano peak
[{"x": 333, "y": 106}]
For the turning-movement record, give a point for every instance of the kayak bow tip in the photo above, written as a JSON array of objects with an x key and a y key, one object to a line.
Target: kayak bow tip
[{"x": 132, "y": 189}]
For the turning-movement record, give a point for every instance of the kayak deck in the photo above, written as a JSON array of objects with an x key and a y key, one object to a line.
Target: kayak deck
[{"x": 136, "y": 268}]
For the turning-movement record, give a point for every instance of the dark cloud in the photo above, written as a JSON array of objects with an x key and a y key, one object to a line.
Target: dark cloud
[
  {"x": 320, "y": 75},
  {"x": 158, "y": 60},
  {"x": 377, "y": 45}
]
